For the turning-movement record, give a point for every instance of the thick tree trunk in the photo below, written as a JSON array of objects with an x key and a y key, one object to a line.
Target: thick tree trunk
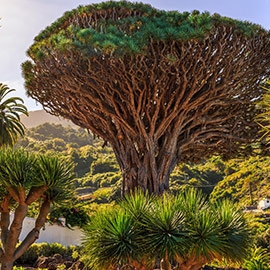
[
  {"x": 144, "y": 166},
  {"x": 7, "y": 264}
]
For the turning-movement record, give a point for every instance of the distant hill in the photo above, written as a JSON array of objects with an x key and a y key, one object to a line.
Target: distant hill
[{"x": 40, "y": 117}]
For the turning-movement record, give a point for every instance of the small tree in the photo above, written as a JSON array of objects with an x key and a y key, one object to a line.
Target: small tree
[
  {"x": 24, "y": 179},
  {"x": 160, "y": 87},
  {"x": 10, "y": 109}
]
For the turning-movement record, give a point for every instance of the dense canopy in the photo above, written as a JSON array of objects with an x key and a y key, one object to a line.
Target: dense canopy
[{"x": 160, "y": 87}]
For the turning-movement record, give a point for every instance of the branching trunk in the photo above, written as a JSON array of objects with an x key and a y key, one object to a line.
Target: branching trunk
[
  {"x": 10, "y": 237},
  {"x": 35, "y": 193},
  {"x": 33, "y": 235},
  {"x": 13, "y": 236},
  {"x": 145, "y": 168}
]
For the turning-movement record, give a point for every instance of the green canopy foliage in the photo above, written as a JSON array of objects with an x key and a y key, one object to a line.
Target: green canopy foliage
[{"x": 130, "y": 33}]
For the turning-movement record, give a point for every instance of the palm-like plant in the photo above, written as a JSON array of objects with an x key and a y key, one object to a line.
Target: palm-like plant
[
  {"x": 185, "y": 230},
  {"x": 137, "y": 203},
  {"x": 54, "y": 174},
  {"x": 25, "y": 178},
  {"x": 215, "y": 230},
  {"x": 16, "y": 172},
  {"x": 235, "y": 230},
  {"x": 111, "y": 240},
  {"x": 10, "y": 109},
  {"x": 163, "y": 230}
]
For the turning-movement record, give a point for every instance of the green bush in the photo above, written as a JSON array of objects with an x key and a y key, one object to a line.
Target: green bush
[
  {"x": 259, "y": 260},
  {"x": 30, "y": 256},
  {"x": 47, "y": 250},
  {"x": 75, "y": 216}
]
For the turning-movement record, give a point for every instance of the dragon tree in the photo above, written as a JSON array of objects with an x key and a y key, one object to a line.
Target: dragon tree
[{"x": 160, "y": 87}]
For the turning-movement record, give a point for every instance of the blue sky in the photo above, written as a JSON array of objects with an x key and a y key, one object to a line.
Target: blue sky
[{"x": 22, "y": 20}]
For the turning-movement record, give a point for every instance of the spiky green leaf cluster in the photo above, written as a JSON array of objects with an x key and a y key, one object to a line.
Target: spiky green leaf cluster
[
  {"x": 57, "y": 174},
  {"x": 20, "y": 169},
  {"x": 16, "y": 168},
  {"x": 183, "y": 227},
  {"x": 94, "y": 29}
]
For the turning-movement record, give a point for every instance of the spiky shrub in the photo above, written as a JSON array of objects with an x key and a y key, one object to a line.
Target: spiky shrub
[
  {"x": 111, "y": 240},
  {"x": 185, "y": 230}
]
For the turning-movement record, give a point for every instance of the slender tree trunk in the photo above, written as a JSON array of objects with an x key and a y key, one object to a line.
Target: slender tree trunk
[
  {"x": 10, "y": 253},
  {"x": 13, "y": 236},
  {"x": 33, "y": 235},
  {"x": 165, "y": 263},
  {"x": 4, "y": 224}
]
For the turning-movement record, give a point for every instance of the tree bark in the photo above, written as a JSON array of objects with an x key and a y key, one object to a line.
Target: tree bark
[
  {"x": 35, "y": 193},
  {"x": 33, "y": 235},
  {"x": 4, "y": 224},
  {"x": 13, "y": 236},
  {"x": 9, "y": 252},
  {"x": 144, "y": 167},
  {"x": 191, "y": 263}
]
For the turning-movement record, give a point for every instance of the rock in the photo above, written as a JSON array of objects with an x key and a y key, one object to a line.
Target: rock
[
  {"x": 57, "y": 258},
  {"x": 42, "y": 262},
  {"x": 77, "y": 266},
  {"x": 49, "y": 262}
]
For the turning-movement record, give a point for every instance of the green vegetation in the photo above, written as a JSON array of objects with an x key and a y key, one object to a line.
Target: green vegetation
[
  {"x": 183, "y": 230},
  {"x": 161, "y": 87},
  {"x": 129, "y": 34},
  {"x": 44, "y": 249},
  {"x": 264, "y": 118},
  {"x": 26, "y": 178},
  {"x": 10, "y": 109},
  {"x": 218, "y": 179},
  {"x": 243, "y": 180},
  {"x": 259, "y": 260}
]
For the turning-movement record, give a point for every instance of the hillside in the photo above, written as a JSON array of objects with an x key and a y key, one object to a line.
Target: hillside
[{"x": 40, "y": 117}]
